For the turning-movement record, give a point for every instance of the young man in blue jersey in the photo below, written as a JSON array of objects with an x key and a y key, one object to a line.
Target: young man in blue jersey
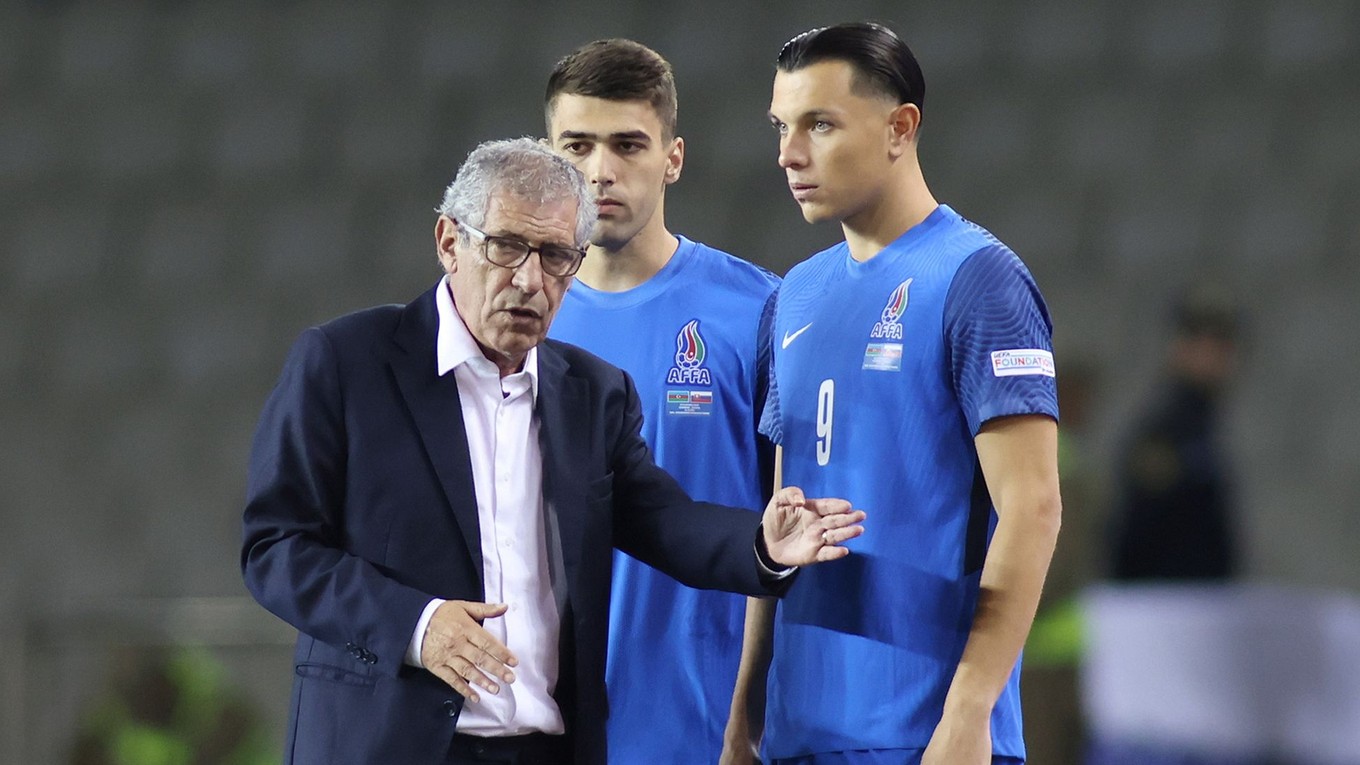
[
  {"x": 912, "y": 373},
  {"x": 682, "y": 319}
]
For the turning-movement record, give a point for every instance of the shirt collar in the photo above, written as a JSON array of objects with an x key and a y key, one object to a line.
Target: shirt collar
[{"x": 455, "y": 346}]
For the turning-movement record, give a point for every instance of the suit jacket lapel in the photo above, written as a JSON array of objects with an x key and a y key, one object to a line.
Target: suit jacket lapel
[
  {"x": 562, "y": 404},
  {"x": 438, "y": 414}
]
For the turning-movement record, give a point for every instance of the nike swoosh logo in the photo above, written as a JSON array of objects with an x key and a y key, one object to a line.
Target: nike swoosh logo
[{"x": 790, "y": 338}]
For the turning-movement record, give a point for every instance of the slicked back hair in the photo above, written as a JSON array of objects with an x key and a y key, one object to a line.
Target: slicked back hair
[
  {"x": 616, "y": 70},
  {"x": 883, "y": 64}
]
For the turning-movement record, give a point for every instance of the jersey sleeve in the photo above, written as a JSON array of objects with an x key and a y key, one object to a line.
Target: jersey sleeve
[
  {"x": 999, "y": 339},
  {"x": 767, "y": 401},
  {"x": 763, "y": 372}
]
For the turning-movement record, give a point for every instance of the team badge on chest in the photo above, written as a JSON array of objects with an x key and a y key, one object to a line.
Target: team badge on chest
[
  {"x": 881, "y": 354},
  {"x": 689, "y": 370}
]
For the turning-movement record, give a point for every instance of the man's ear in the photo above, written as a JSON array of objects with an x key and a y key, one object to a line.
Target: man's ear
[
  {"x": 904, "y": 122},
  {"x": 445, "y": 240},
  {"x": 675, "y": 161}
]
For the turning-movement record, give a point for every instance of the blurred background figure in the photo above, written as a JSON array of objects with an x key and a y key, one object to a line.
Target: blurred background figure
[
  {"x": 1054, "y": 723},
  {"x": 1174, "y": 517},
  {"x": 171, "y": 707}
]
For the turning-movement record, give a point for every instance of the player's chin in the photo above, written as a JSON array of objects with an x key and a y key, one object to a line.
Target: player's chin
[
  {"x": 610, "y": 237},
  {"x": 815, "y": 213}
]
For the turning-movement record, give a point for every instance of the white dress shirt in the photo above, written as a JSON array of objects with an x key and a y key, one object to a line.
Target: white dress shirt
[{"x": 507, "y": 476}]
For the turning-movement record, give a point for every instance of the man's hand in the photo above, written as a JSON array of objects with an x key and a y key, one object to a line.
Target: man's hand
[
  {"x": 800, "y": 531},
  {"x": 738, "y": 753},
  {"x": 961, "y": 739},
  {"x": 459, "y": 652}
]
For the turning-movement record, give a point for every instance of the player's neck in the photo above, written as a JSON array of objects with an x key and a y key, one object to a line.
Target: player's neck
[
  {"x": 902, "y": 205},
  {"x": 638, "y": 260}
]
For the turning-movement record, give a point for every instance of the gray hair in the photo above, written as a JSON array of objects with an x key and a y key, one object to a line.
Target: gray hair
[{"x": 525, "y": 169}]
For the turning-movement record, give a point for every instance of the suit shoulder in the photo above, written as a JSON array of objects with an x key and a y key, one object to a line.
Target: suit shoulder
[
  {"x": 579, "y": 360},
  {"x": 368, "y": 320},
  {"x": 362, "y": 328},
  {"x": 584, "y": 365},
  {"x": 354, "y": 335}
]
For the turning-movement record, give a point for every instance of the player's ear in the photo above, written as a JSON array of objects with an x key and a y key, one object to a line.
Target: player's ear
[
  {"x": 675, "y": 160},
  {"x": 904, "y": 122}
]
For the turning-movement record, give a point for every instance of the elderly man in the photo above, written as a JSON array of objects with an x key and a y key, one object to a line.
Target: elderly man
[{"x": 435, "y": 491}]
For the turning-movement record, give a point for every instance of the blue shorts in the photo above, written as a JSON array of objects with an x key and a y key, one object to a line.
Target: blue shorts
[{"x": 875, "y": 757}]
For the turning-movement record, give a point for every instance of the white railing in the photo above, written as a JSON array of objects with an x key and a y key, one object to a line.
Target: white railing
[{"x": 1253, "y": 673}]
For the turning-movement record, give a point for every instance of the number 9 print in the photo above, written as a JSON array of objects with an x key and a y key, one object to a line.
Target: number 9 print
[{"x": 826, "y": 401}]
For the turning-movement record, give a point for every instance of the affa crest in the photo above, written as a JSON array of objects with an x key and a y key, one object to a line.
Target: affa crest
[
  {"x": 884, "y": 356},
  {"x": 690, "y": 352},
  {"x": 889, "y": 326}
]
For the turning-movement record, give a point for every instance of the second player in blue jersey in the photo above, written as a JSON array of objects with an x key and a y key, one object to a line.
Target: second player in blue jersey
[{"x": 682, "y": 319}]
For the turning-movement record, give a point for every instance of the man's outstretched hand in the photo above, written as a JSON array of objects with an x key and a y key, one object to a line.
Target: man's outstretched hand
[{"x": 801, "y": 531}]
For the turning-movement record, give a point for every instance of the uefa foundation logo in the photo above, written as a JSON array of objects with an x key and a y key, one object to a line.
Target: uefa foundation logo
[{"x": 1022, "y": 361}]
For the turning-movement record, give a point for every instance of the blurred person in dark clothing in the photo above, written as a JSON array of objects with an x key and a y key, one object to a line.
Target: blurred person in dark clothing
[{"x": 1173, "y": 517}]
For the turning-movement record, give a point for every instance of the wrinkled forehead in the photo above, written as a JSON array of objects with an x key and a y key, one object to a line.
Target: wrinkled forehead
[{"x": 551, "y": 222}]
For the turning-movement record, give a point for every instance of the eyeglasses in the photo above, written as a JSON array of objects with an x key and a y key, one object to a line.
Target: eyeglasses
[{"x": 507, "y": 252}]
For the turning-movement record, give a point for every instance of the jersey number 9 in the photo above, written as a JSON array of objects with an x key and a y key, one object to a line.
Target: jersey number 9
[{"x": 826, "y": 401}]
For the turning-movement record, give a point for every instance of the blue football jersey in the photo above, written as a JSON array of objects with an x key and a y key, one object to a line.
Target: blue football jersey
[
  {"x": 688, "y": 337},
  {"x": 883, "y": 373}
]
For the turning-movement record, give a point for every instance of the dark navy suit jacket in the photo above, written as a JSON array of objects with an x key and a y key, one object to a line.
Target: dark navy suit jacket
[{"x": 360, "y": 509}]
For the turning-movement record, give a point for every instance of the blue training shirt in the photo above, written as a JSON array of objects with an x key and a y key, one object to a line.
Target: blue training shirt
[
  {"x": 883, "y": 373},
  {"x": 688, "y": 336}
]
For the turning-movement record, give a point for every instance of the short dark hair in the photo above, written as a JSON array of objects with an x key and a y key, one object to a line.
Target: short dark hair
[
  {"x": 616, "y": 70},
  {"x": 883, "y": 64}
]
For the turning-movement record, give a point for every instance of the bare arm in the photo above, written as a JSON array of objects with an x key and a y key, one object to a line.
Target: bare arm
[
  {"x": 746, "y": 719},
  {"x": 1019, "y": 461}
]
